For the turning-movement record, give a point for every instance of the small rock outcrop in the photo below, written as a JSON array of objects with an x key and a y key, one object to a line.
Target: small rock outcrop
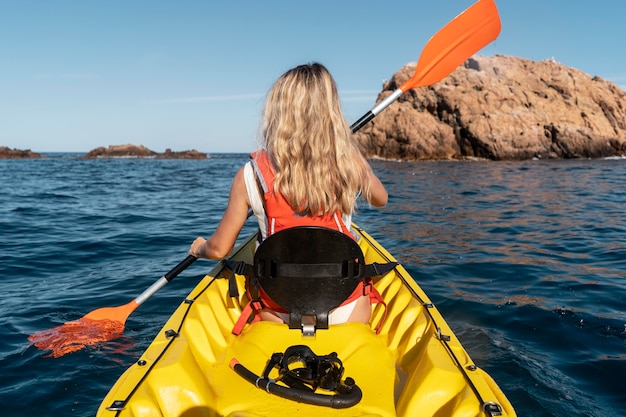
[
  {"x": 121, "y": 151},
  {"x": 140, "y": 151},
  {"x": 192, "y": 154},
  {"x": 501, "y": 108},
  {"x": 8, "y": 153}
]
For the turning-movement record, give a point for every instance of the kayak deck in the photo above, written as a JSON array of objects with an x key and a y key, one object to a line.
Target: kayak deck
[{"x": 414, "y": 366}]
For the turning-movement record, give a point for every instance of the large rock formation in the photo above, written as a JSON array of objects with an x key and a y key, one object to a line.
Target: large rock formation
[
  {"x": 140, "y": 151},
  {"x": 501, "y": 108},
  {"x": 8, "y": 153}
]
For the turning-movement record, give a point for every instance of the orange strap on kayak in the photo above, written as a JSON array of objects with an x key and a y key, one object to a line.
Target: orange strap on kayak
[
  {"x": 250, "y": 310},
  {"x": 375, "y": 297}
]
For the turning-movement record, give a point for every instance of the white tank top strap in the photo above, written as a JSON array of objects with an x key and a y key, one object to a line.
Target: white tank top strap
[{"x": 256, "y": 200}]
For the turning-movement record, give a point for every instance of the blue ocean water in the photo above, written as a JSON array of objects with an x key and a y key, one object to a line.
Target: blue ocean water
[{"x": 525, "y": 260}]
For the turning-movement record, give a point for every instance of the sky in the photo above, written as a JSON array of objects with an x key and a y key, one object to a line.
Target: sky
[{"x": 76, "y": 75}]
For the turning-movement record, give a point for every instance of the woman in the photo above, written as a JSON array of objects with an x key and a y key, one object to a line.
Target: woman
[{"x": 310, "y": 172}]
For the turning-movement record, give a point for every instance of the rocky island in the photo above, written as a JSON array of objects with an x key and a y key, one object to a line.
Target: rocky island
[
  {"x": 140, "y": 151},
  {"x": 501, "y": 108},
  {"x": 8, "y": 153}
]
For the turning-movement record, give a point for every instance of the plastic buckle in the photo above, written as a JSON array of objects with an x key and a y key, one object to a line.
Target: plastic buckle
[
  {"x": 308, "y": 325},
  {"x": 240, "y": 268},
  {"x": 367, "y": 287},
  {"x": 492, "y": 409}
]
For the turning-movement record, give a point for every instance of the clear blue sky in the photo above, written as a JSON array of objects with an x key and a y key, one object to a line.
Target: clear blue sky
[{"x": 75, "y": 75}]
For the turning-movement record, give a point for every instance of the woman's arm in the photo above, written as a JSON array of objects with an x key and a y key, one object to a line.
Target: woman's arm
[
  {"x": 377, "y": 193},
  {"x": 221, "y": 243}
]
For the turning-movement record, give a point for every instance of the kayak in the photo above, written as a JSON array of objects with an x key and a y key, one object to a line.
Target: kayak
[{"x": 406, "y": 362}]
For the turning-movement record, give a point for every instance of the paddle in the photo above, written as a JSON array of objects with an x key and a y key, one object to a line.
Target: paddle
[
  {"x": 100, "y": 325},
  {"x": 461, "y": 38}
]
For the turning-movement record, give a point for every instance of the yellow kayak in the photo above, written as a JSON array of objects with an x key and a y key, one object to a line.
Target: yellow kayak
[{"x": 411, "y": 365}]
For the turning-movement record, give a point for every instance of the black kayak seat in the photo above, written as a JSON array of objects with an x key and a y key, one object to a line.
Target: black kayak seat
[{"x": 309, "y": 271}]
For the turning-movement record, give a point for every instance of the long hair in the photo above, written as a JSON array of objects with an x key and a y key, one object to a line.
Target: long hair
[{"x": 319, "y": 166}]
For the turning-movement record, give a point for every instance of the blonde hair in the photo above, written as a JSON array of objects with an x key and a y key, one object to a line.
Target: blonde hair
[{"x": 319, "y": 166}]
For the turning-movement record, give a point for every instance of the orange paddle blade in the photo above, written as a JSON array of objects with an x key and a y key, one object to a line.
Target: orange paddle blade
[
  {"x": 119, "y": 314},
  {"x": 99, "y": 326},
  {"x": 461, "y": 38},
  {"x": 76, "y": 335}
]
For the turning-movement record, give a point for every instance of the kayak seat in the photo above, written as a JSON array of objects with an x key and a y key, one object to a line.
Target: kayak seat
[{"x": 308, "y": 271}]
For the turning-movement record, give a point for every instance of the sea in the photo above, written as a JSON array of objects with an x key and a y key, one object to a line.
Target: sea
[{"x": 525, "y": 260}]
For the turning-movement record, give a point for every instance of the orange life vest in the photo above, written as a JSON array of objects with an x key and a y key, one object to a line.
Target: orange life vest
[{"x": 278, "y": 212}]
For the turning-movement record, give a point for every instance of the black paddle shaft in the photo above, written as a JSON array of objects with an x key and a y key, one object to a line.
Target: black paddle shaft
[
  {"x": 362, "y": 121},
  {"x": 179, "y": 268}
]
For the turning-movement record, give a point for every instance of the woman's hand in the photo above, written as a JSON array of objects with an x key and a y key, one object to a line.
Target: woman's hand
[{"x": 197, "y": 248}]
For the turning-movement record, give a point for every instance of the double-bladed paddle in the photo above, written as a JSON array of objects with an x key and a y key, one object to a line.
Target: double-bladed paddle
[{"x": 457, "y": 41}]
